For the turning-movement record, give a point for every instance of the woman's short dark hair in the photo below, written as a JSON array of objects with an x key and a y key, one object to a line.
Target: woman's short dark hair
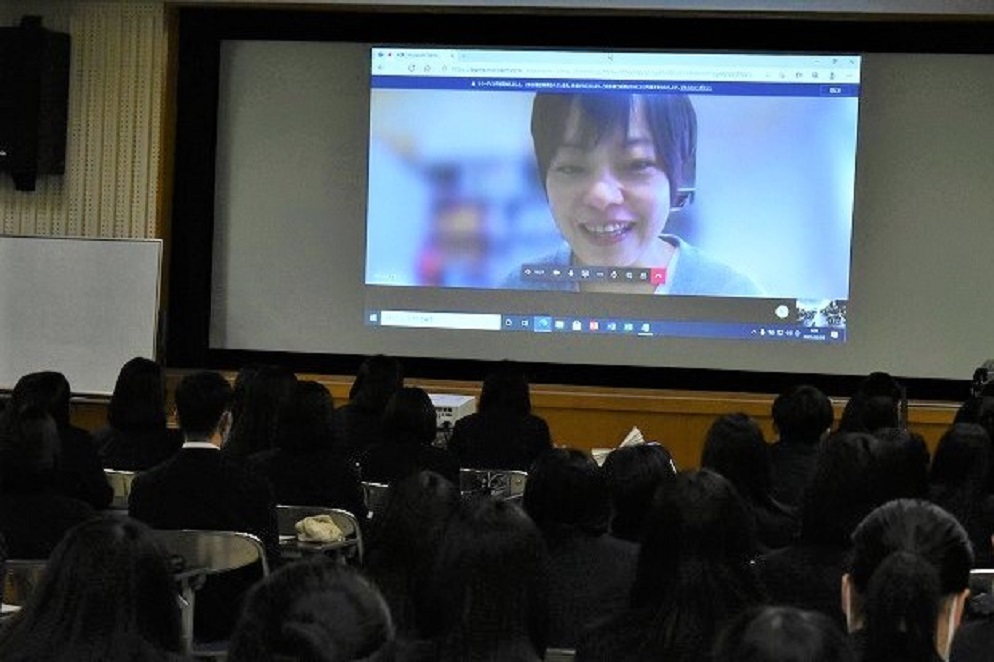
[
  {"x": 313, "y": 610},
  {"x": 410, "y": 417},
  {"x": 670, "y": 117},
  {"x": 842, "y": 490},
  {"x": 107, "y": 594},
  {"x": 377, "y": 379},
  {"x": 633, "y": 474},
  {"x": 487, "y": 595},
  {"x": 307, "y": 419},
  {"x": 874, "y": 405},
  {"x": 735, "y": 448},
  {"x": 907, "y": 556},
  {"x": 506, "y": 390},
  {"x": 29, "y": 452},
  {"x": 48, "y": 390},
  {"x": 694, "y": 564},
  {"x": 782, "y": 634},
  {"x": 566, "y": 488},
  {"x": 802, "y": 413},
  {"x": 139, "y": 399},
  {"x": 201, "y": 399}
]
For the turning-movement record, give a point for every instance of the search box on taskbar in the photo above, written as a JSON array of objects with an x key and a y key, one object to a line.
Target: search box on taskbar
[{"x": 429, "y": 320}]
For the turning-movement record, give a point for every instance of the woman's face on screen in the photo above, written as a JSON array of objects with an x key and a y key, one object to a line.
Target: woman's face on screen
[{"x": 610, "y": 200}]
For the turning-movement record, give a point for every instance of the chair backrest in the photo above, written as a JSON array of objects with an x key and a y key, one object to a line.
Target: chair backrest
[
  {"x": 982, "y": 580},
  {"x": 120, "y": 482},
  {"x": 287, "y": 517},
  {"x": 22, "y": 579},
  {"x": 374, "y": 495},
  {"x": 560, "y": 655},
  {"x": 498, "y": 483},
  {"x": 216, "y": 551}
]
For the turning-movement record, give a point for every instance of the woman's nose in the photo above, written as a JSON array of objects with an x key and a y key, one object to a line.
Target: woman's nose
[{"x": 603, "y": 191}]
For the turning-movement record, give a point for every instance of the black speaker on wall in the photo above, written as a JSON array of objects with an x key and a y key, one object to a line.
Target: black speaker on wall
[{"x": 34, "y": 101}]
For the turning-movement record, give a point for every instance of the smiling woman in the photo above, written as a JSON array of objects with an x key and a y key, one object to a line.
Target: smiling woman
[{"x": 614, "y": 167}]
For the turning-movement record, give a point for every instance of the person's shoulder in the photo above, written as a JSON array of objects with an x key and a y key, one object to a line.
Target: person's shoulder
[{"x": 700, "y": 273}]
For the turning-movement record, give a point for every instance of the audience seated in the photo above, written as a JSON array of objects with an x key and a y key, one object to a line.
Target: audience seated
[
  {"x": 486, "y": 596},
  {"x": 802, "y": 417},
  {"x": 107, "y": 594},
  {"x": 958, "y": 481},
  {"x": 261, "y": 392},
  {"x": 907, "y": 584},
  {"x": 360, "y": 422},
  {"x": 783, "y": 634},
  {"x": 136, "y": 436},
  {"x": 735, "y": 448},
  {"x": 875, "y": 404},
  {"x": 503, "y": 434},
  {"x": 693, "y": 575},
  {"x": 633, "y": 475},
  {"x": 201, "y": 488},
  {"x": 34, "y": 514},
  {"x": 316, "y": 611},
  {"x": 80, "y": 473},
  {"x": 307, "y": 468},
  {"x": 409, "y": 429},
  {"x": 843, "y": 490},
  {"x": 590, "y": 572},
  {"x": 403, "y": 539}
]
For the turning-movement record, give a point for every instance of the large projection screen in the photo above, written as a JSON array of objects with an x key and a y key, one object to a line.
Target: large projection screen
[{"x": 288, "y": 257}]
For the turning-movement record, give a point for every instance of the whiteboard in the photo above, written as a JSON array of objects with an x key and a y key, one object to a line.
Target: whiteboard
[{"x": 82, "y": 307}]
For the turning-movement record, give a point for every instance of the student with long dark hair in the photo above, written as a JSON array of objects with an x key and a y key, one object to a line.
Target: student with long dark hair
[
  {"x": 107, "y": 594},
  {"x": 907, "y": 585},
  {"x": 486, "y": 598},
  {"x": 802, "y": 417},
  {"x": 735, "y": 448},
  {"x": 633, "y": 474},
  {"x": 360, "y": 421},
  {"x": 693, "y": 575},
  {"x": 136, "y": 436},
  {"x": 314, "y": 610},
  {"x": 255, "y": 410}
]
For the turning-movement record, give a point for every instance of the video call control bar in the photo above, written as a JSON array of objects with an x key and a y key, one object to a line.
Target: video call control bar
[{"x": 568, "y": 274}]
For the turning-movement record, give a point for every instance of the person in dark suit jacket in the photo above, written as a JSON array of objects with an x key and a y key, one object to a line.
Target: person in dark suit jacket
[
  {"x": 409, "y": 428},
  {"x": 34, "y": 515},
  {"x": 803, "y": 417},
  {"x": 504, "y": 434},
  {"x": 200, "y": 488},
  {"x": 590, "y": 572},
  {"x": 136, "y": 437},
  {"x": 307, "y": 469},
  {"x": 79, "y": 473}
]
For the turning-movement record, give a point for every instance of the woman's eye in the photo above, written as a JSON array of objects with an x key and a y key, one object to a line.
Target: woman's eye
[
  {"x": 641, "y": 165},
  {"x": 569, "y": 169}
]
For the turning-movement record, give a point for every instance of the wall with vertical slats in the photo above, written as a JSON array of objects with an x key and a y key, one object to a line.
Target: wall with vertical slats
[{"x": 117, "y": 76}]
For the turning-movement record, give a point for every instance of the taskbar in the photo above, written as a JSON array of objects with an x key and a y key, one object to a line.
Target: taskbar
[{"x": 520, "y": 323}]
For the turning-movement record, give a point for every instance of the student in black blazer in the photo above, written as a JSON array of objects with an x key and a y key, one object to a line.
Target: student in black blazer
[{"x": 200, "y": 488}]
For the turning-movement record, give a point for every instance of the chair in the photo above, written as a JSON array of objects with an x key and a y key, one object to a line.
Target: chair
[
  {"x": 981, "y": 581},
  {"x": 206, "y": 553},
  {"x": 21, "y": 580},
  {"x": 286, "y": 520},
  {"x": 374, "y": 495},
  {"x": 120, "y": 482},
  {"x": 560, "y": 655},
  {"x": 499, "y": 483}
]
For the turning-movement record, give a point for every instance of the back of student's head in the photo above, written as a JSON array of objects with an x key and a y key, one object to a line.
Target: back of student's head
[
  {"x": 487, "y": 597},
  {"x": 506, "y": 390},
  {"x": 735, "y": 448},
  {"x": 910, "y": 564},
  {"x": 633, "y": 474},
  {"x": 960, "y": 467},
  {"x": 107, "y": 594},
  {"x": 842, "y": 490},
  {"x": 410, "y": 417},
  {"x": 566, "y": 488},
  {"x": 254, "y": 426},
  {"x": 313, "y": 611},
  {"x": 903, "y": 460},
  {"x": 29, "y": 452},
  {"x": 377, "y": 379},
  {"x": 139, "y": 399},
  {"x": 47, "y": 390},
  {"x": 201, "y": 400},
  {"x": 803, "y": 414},
  {"x": 693, "y": 568},
  {"x": 307, "y": 419},
  {"x": 782, "y": 634},
  {"x": 873, "y": 406}
]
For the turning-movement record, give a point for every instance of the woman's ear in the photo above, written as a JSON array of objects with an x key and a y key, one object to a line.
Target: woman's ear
[{"x": 847, "y": 601}]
